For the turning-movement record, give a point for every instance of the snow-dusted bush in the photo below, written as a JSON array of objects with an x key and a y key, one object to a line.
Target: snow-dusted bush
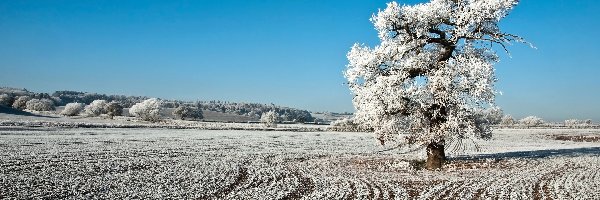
[
  {"x": 531, "y": 121},
  {"x": 269, "y": 119},
  {"x": 186, "y": 111},
  {"x": 572, "y": 123},
  {"x": 342, "y": 122},
  {"x": 6, "y": 99},
  {"x": 507, "y": 120},
  {"x": 21, "y": 102},
  {"x": 493, "y": 115},
  {"x": 148, "y": 110},
  {"x": 114, "y": 109},
  {"x": 40, "y": 105},
  {"x": 96, "y": 108},
  {"x": 575, "y": 123},
  {"x": 72, "y": 109},
  {"x": 346, "y": 124}
]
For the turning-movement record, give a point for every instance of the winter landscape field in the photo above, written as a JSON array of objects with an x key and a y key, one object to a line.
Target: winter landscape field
[
  {"x": 311, "y": 99},
  {"x": 76, "y": 163}
]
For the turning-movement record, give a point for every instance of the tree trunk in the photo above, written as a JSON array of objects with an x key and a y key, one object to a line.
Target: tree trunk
[{"x": 435, "y": 156}]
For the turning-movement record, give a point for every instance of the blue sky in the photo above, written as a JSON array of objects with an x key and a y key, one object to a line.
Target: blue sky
[{"x": 290, "y": 53}]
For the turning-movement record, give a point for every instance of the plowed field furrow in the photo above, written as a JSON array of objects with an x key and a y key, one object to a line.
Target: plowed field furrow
[{"x": 241, "y": 177}]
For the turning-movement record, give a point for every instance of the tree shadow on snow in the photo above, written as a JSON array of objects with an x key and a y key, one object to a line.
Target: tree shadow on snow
[
  {"x": 12, "y": 111},
  {"x": 534, "y": 154}
]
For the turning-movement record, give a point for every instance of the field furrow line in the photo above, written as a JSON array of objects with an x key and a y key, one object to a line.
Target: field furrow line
[
  {"x": 241, "y": 177},
  {"x": 353, "y": 191},
  {"x": 305, "y": 187}
]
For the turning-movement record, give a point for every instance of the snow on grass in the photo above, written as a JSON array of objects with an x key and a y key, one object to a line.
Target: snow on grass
[{"x": 217, "y": 164}]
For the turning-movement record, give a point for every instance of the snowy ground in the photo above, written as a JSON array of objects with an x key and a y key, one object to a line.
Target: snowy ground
[{"x": 209, "y": 164}]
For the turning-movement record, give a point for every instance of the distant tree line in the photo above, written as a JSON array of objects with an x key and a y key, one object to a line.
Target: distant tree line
[
  {"x": 66, "y": 97},
  {"x": 256, "y": 110},
  {"x": 18, "y": 98}
]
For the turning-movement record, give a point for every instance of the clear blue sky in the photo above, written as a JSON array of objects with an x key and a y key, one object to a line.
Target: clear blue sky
[{"x": 290, "y": 53}]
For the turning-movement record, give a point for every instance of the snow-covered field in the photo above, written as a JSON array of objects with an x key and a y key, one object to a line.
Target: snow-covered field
[{"x": 81, "y": 163}]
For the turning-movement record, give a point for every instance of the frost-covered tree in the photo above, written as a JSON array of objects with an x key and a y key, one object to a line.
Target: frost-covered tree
[
  {"x": 40, "y": 105},
  {"x": 507, "y": 120},
  {"x": 572, "y": 123},
  {"x": 493, "y": 115},
  {"x": 57, "y": 101},
  {"x": 72, "y": 109},
  {"x": 588, "y": 122},
  {"x": 345, "y": 124},
  {"x": 531, "y": 121},
  {"x": 21, "y": 102},
  {"x": 431, "y": 74},
  {"x": 96, "y": 108},
  {"x": 148, "y": 110},
  {"x": 6, "y": 100},
  {"x": 186, "y": 111},
  {"x": 269, "y": 119},
  {"x": 114, "y": 109}
]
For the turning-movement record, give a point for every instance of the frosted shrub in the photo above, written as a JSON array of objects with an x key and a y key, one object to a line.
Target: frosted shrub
[
  {"x": 588, "y": 122},
  {"x": 96, "y": 108},
  {"x": 346, "y": 124},
  {"x": 269, "y": 119},
  {"x": 186, "y": 111},
  {"x": 572, "y": 123},
  {"x": 531, "y": 121},
  {"x": 507, "y": 120},
  {"x": 6, "y": 100},
  {"x": 493, "y": 115},
  {"x": 148, "y": 110},
  {"x": 40, "y": 105},
  {"x": 114, "y": 109},
  {"x": 72, "y": 109},
  {"x": 575, "y": 123},
  {"x": 21, "y": 102}
]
